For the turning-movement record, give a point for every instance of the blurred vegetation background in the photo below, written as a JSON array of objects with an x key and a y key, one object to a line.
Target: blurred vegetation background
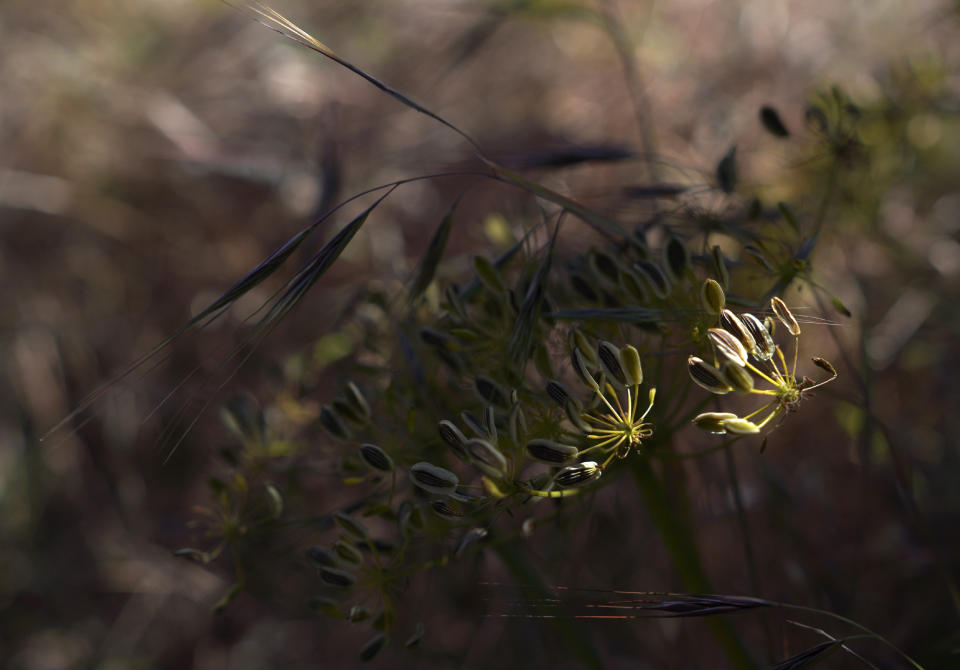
[{"x": 152, "y": 153}]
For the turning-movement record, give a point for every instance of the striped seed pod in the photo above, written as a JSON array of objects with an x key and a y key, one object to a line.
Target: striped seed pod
[
  {"x": 336, "y": 577},
  {"x": 376, "y": 458},
  {"x": 727, "y": 346},
  {"x": 445, "y": 510},
  {"x": 732, "y": 323},
  {"x": 609, "y": 355},
  {"x": 433, "y": 479},
  {"x": 580, "y": 474},
  {"x": 706, "y": 376},
  {"x": 554, "y": 453},
  {"x": 765, "y": 347},
  {"x": 558, "y": 392},
  {"x": 456, "y": 440},
  {"x": 786, "y": 317},
  {"x": 333, "y": 424}
]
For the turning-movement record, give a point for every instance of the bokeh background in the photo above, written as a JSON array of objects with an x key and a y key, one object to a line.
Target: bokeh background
[{"x": 153, "y": 152}]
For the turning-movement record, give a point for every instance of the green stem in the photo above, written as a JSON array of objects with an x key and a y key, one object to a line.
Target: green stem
[{"x": 677, "y": 534}]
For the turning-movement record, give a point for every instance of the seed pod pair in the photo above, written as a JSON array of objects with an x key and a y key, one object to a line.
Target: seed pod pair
[
  {"x": 727, "y": 346},
  {"x": 621, "y": 366},
  {"x": 720, "y": 423}
]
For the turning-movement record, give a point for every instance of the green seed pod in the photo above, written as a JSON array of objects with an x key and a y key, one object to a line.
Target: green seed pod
[
  {"x": 356, "y": 400},
  {"x": 712, "y": 298},
  {"x": 603, "y": 266},
  {"x": 712, "y": 422},
  {"x": 706, "y": 376},
  {"x": 543, "y": 361},
  {"x": 335, "y": 577},
  {"x": 579, "y": 341},
  {"x": 580, "y": 367},
  {"x": 438, "y": 339},
  {"x": 765, "y": 346},
  {"x": 632, "y": 284},
  {"x": 345, "y": 410},
  {"x": 676, "y": 257},
  {"x": 474, "y": 424},
  {"x": 433, "y": 479},
  {"x": 771, "y": 325},
  {"x": 632, "y": 369},
  {"x": 732, "y": 323},
  {"x": 737, "y": 377},
  {"x": 554, "y": 453},
  {"x": 516, "y": 424},
  {"x": 490, "y": 423},
  {"x": 446, "y": 511},
  {"x": 331, "y": 421},
  {"x": 720, "y": 267},
  {"x": 409, "y": 518},
  {"x": 727, "y": 346},
  {"x": 414, "y": 639},
  {"x": 450, "y": 434},
  {"x": 580, "y": 474},
  {"x": 320, "y": 556},
  {"x": 472, "y": 536},
  {"x": 358, "y": 613},
  {"x": 759, "y": 256},
  {"x": 275, "y": 500},
  {"x": 584, "y": 288},
  {"x": 609, "y": 355},
  {"x": 243, "y": 417},
  {"x": 487, "y": 457},
  {"x": 489, "y": 275},
  {"x": 376, "y": 458},
  {"x": 816, "y": 119},
  {"x": 373, "y": 647},
  {"x": 455, "y": 303},
  {"x": 655, "y": 278},
  {"x": 574, "y": 412},
  {"x": 465, "y": 496},
  {"x": 558, "y": 392},
  {"x": 348, "y": 553},
  {"x": 350, "y": 525},
  {"x": 770, "y": 118},
  {"x": 741, "y": 426},
  {"x": 786, "y": 317},
  {"x": 727, "y": 171},
  {"x": 327, "y": 606}
]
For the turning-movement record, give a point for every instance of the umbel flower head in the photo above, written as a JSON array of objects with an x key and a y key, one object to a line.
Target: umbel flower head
[
  {"x": 744, "y": 351},
  {"x": 612, "y": 424}
]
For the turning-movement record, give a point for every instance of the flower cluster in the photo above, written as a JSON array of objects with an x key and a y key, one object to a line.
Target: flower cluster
[{"x": 744, "y": 348}]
